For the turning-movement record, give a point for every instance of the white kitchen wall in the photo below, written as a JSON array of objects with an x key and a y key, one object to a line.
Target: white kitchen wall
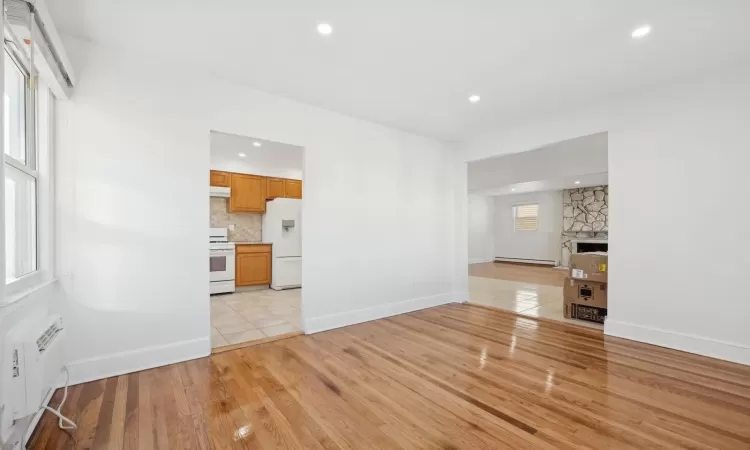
[
  {"x": 379, "y": 209},
  {"x": 270, "y": 160},
  {"x": 542, "y": 244},
  {"x": 481, "y": 239},
  {"x": 253, "y": 169},
  {"x": 677, "y": 267}
]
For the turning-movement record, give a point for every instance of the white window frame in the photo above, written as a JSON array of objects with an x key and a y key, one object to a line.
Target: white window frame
[
  {"x": 515, "y": 212},
  {"x": 39, "y": 165}
]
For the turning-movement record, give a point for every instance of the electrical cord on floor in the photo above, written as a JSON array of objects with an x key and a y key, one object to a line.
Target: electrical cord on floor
[{"x": 72, "y": 425}]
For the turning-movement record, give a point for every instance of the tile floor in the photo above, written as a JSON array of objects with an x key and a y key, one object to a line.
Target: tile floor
[
  {"x": 247, "y": 316},
  {"x": 531, "y": 299}
]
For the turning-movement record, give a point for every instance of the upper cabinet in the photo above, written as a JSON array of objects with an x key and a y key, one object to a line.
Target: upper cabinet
[
  {"x": 293, "y": 188},
  {"x": 220, "y": 179},
  {"x": 274, "y": 188},
  {"x": 248, "y": 193}
]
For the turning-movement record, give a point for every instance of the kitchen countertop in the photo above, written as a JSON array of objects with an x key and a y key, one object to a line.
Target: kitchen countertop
[{"x": 250, "y": 243}]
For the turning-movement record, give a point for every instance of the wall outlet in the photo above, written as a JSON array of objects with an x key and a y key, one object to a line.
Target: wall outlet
[{"x": 230, "y": 227}]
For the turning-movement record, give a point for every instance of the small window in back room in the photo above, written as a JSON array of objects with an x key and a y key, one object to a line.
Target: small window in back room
[{"x": 525, "y": 217}]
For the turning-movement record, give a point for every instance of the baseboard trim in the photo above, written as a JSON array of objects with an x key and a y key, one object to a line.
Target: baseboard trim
[
  {"x": 480, "y": 260},
  {"x": 728, "y": 351},
  {"x": 546, "y": 262},
  {"x": 116, "y": 364},
  {"x": 332, "y": 321}
]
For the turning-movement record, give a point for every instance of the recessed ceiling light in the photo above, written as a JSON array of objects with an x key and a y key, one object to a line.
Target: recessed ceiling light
[
  {"x": 257, "y": 144},
  {"x": 474, "y": 98},
  {"x": 577, "y": 182},
  {"x": 641, "y": 31},
  {"x": 325, "y": 29},
  {"x": 512, "y": 189},
  {"x": 241, "y": 155}
]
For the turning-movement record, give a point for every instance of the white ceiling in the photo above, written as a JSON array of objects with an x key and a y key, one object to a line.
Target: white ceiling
[
  {"x": 270, "y": 159},
  {"x": 412, "y": 64},
  {"x": 553, "y": 167}
]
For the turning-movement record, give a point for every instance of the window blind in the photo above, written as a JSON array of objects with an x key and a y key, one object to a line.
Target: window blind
[{"x": 526, "y": 217}]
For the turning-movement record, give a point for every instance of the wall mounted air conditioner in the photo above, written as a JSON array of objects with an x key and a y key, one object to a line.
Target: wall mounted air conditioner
[{"x": 32, "y": 363}]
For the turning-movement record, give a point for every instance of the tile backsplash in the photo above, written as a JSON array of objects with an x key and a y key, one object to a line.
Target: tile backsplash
[{"x": 247, "y": 227}]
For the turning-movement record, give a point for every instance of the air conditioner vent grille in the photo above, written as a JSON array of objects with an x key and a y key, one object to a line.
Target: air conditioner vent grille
[{"x": 48, "y": 336}]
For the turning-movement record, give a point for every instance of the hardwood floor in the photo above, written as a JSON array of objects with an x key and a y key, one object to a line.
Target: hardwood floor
[
  {"x": 455, "y": 376},
  {"x": 528, "y": 273}
]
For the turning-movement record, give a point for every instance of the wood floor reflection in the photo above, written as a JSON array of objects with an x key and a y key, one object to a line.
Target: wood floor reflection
[{"x": 455, "y": 376}]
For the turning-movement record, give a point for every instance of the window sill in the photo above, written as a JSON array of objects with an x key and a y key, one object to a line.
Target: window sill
[{"x": 26, "y": 290}]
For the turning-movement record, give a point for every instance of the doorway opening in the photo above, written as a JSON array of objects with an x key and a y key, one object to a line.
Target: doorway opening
[
  {"x": 255, "y": 240},
  {"x": 529, "y": 213}
]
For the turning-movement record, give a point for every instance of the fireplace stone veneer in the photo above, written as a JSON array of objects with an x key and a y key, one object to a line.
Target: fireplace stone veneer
[{"x": 585, "y": 218}]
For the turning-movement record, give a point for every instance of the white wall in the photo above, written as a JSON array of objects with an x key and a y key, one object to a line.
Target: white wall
[
  {"x": 481, "y": 239},
  {"x": 379, "y": 210},
  {"x": 229, "y": 165},
  {"x": 677, "y": 279},
  {"x": 272, "y": 159},
  {"x": 542, "y": 244}
]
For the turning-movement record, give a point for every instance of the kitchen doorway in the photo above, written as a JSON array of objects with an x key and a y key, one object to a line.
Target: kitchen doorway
[{"x": 255, "y": 240}]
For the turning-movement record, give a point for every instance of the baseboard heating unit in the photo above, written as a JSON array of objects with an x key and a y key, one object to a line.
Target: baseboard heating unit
[{"x": 548, "y": 262}]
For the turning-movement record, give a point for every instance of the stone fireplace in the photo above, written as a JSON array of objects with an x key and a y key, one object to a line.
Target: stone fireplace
[{"x": 585, "y": 220}]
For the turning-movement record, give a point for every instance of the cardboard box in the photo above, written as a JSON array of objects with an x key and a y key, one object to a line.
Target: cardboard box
[
  {"x": 585, "y": 292},
  {"x": 586, "y": 313},
  {"x": 585, "y": 300},
  {"x": 589, "y": 266}
]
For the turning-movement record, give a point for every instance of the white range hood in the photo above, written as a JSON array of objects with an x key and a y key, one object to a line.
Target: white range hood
[{"x": 220, "y": 191}]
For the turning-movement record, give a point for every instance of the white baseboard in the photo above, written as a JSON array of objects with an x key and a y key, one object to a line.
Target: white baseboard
[
  {"x": 691, "y": 343},
  {"x": 331, "y": 321},
  {"x": 480, "y": 260},
  {"x": 548, "y": 262},
  {"x": 461, "y": 297},
  {"x": 91, "y": 369}
]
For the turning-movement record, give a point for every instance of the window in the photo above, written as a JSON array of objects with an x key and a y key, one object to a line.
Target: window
[
  {"x": 20, "y": 172},
  {"x": 525, "y": 217}
]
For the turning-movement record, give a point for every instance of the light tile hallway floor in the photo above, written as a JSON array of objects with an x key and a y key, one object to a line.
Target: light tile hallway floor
[
  {"x": 523, "y": 297},
  {"x": 248, "y": 316}
]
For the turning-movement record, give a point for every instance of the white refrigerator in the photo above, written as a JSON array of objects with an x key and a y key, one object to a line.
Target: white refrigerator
[{"x": 282, "y": 227}]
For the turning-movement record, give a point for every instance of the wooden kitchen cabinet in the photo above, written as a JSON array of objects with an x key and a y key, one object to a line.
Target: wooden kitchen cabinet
[
  {"x": 293, "y": 188},
  {"x": 248, "y": 193},
  {"x": 274, "y": 188},
  {"x": 220, "y": 179},
  {"x": 253, "y": 265}
]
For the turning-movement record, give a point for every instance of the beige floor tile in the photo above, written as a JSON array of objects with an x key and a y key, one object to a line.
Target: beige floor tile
[
  {"x": 524, "y": 298},
  {"x": 236, "y": 328},
  {"x": 268, "y": 322},
  {"x": 227, "y": 319},
  {"x": 252, "y": 309},
  {"x": 282, "y": 328},
  {"x": 233, "y": 314},
  {"x": 244, "y": 336},
  {"x": 218, "y": 341}
]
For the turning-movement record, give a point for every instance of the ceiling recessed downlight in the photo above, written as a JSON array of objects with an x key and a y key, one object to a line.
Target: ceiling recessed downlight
[
  {"x": 241, "y": 155},
  {"x": 577, "y": 182},
  {"x": 325, "y": 29},
  {"x": 257, "y": 144},
  {"x": 474, "y": 98},
  {"x": 641, "y": 31},
  {"x": 512, "y": 189}
]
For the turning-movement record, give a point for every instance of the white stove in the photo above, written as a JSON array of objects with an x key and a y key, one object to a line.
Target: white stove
[{"x": 221, "y": 261}]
